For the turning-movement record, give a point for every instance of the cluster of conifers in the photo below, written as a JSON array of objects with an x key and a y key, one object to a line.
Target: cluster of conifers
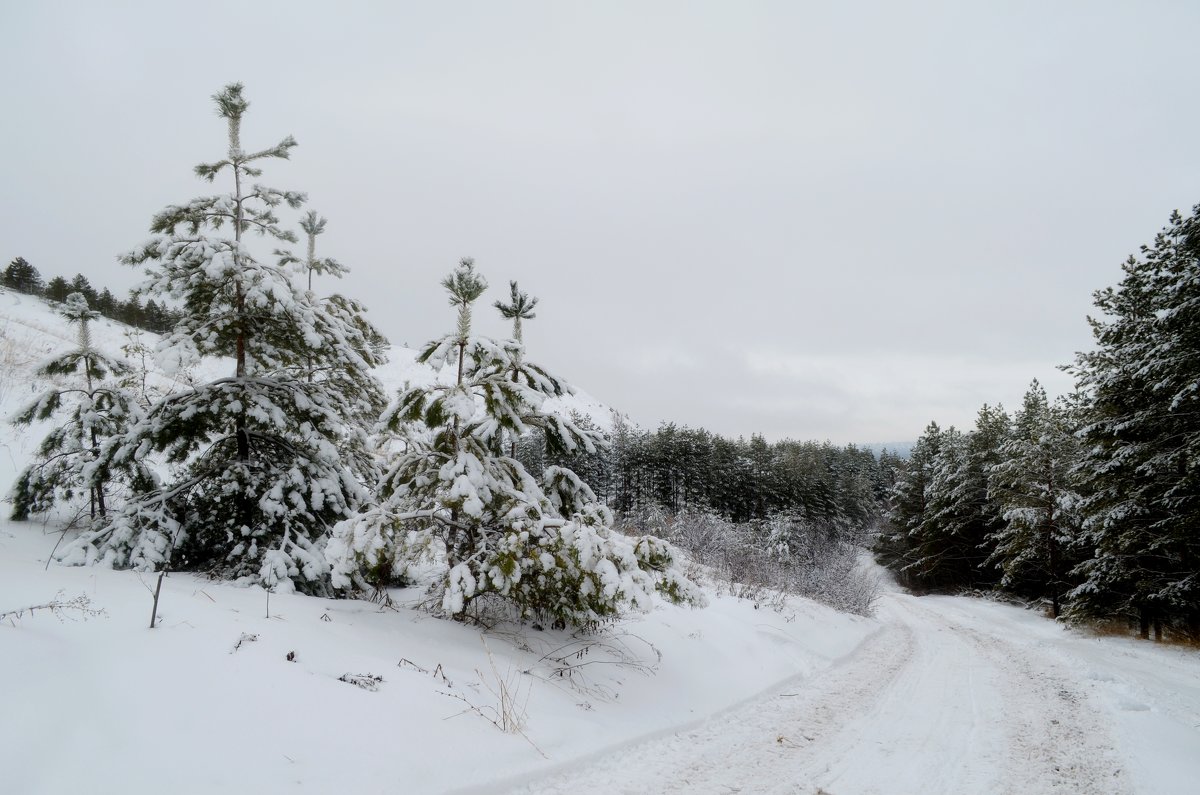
[{"x": 1091, "y": 502}]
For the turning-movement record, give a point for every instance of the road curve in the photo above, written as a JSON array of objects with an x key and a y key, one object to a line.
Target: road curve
[{"x": 928, "y": 704}]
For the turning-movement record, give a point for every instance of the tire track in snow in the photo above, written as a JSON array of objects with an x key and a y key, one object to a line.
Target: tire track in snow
[
  {"x": 752, "y": 749},
  {"x": 1057, "y": 741},
  {"x": 925, "y": 705}
]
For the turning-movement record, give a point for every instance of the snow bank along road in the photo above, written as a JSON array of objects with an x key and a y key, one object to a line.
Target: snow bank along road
[{"x": 950, "y": 695}]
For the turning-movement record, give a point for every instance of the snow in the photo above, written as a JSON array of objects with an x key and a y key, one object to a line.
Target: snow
[
  {"x": 933, "y": 695},
  {"x": 106, "y": 700}
]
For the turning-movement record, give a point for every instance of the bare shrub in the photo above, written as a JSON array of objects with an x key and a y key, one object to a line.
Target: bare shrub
[
  {"x": 59, "y": 607},
  {"x": 788, "y": 554}
]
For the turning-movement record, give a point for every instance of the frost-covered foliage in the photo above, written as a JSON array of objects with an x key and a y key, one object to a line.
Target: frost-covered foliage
[
  {"x": 90, "y": 406},
  {"x": 262, "y": 463},
  {"x": 786, "y": 554},
  {"x": 453, "y": 494}
]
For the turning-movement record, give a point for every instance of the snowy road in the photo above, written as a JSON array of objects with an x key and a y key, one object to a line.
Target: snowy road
[{"x": 951, "y": 695}]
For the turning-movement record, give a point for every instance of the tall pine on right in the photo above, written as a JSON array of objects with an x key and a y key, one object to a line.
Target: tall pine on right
[{"x": 1140, "y": 472}]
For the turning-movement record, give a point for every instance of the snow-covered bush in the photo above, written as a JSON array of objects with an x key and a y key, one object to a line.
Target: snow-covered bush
[{"x": 455, "y": 495}]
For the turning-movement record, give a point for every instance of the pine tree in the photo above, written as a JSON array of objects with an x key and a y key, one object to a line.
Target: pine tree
[
  {"x": 856, "y": 475},
  {"x": 362, "y": 398},
  {"x": 628, "y": 452},
  {"x": 22, "y": 277},
  {"x": 908, "y": 509},
  {"x": 106, "y": 304},
  {"x": 57, "y": 289},
  {"x": 130, "y": 312},
  {"x": 97, "y": 408},
  {"x": 545, "y": 547},
  {"x": 937, "y": 549},
  {"x": 948, "y": 545},
  {"x": 263, "y": 462},
  {"x": 520, "y": 307},
  {"x": 81, "y": 285},
  {"x": 154, "y": 318},
  {"x": 887, "y": 467},
  {"x": 1141, "y": 469},
  {"x": 1033, "y": 488}
]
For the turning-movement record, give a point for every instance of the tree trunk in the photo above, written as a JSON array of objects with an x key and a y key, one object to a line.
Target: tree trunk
[
  {"x": 1051, "y": 545},
  {"x": 98, "y": 489},
  {"x": 157, "y": 591},
  {"x": 243, "y": 503}
]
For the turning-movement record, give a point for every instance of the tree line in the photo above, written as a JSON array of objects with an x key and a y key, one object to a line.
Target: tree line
[
  {"x": 152, "y": 315},
  {"x": 678, "y": 469},
  {"x": 1091, "y": 501}
]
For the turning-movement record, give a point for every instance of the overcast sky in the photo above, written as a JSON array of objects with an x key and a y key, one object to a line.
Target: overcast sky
[{"x": 832, "y": 221}]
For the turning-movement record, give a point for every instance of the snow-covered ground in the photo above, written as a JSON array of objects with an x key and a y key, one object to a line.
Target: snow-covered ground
[
  {"x": 934, "y": 695},
  {"x": 106, "y": 704}
]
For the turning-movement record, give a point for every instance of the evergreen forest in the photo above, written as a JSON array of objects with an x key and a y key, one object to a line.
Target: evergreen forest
[{"x": 1089, "y": 502}]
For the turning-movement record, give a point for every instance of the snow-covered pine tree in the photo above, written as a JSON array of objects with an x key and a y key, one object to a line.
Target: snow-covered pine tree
[
  {"x": 1033, "y": 488},
  {"x": 594, "y": 467},
  {"x": 97, "y": 407},
  {"x": 454, "y": 495},
  {"x": 908, "y": 508},
  {"x": 936, "y": 549},
  {"x": 1141, "y": 469},
  {"x": 363, "y": 399},
  {"x": 259, "y": 468},
  {"x": 314, "y": 225},
  {"x": 945, "y": 547},
  {"x": 971, "y": 517},
  {"x": 520, "y": 307},
  {"x": 856, "y": 472}
]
